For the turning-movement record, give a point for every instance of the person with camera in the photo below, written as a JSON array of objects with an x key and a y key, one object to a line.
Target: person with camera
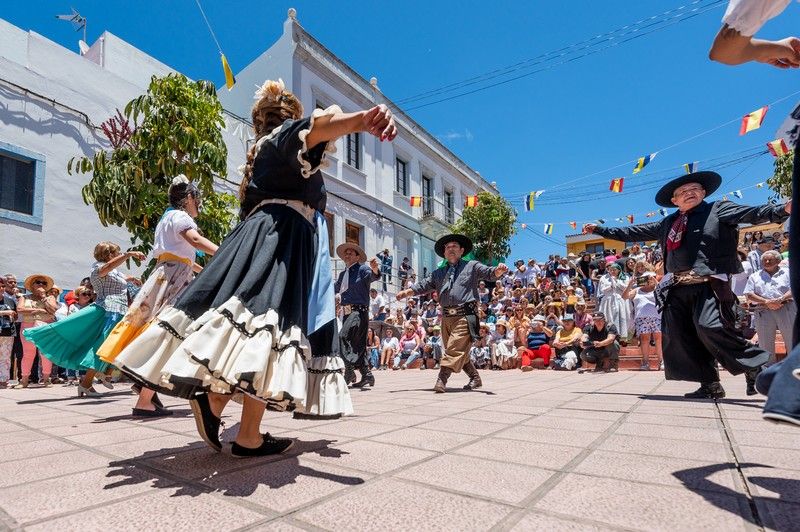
[
  {"x": 600, "y": 345},
  {"x": 8, "y": 329},
  {"x": 646, "y": 316}
]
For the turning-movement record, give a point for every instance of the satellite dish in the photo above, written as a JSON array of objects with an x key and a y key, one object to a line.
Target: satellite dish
[{"x": 83, "y": 47}]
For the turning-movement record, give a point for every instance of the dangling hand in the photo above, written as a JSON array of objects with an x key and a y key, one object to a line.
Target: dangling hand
[{"x": 379, "y": 122}]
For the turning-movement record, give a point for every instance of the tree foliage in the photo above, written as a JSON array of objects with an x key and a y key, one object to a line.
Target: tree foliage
[
  {"x": 490, "y": 226},
  {"x": 174, "y": 128},
  {"x": 781, "y": 180}
]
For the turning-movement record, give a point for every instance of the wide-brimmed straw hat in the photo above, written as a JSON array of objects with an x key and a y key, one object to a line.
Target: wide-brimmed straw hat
[
  {"x": 462, "y": 240},
  {"x": 341, "y": 248},
  {"x": 710, "y": 181},
  {"x": 31, "y": 278}
]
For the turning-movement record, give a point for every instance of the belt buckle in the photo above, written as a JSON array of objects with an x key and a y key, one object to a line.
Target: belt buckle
[
  {"x": 452, "y": 311},
  {"x": 347, "y": 309}
]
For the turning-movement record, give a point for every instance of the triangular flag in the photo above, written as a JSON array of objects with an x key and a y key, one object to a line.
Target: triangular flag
[
  {"x": 538, "y": 193},
  {"x": 662, "y": 212},
  {"x": 601, "y": 221},
  {"x": 642, "y": 162},
  {"x": 737, "y": 193},
  {"x": 650, "y": 215},
  {"x": 530, "y": 201},
  {"x": 759, "y": 185},
  {"x": 753, "y": 120},
  {"x": 691, "y": 167},
  {"x": 471, "y": 201},
  {"x": 630, "y": 218},
  {"x": 617, "y": 184},
  {"x": 778, "y": 147},
  {"x": 229, "y": 79},
  {"x": 415, "y": 201},
  {"x": 724, "y": 197},
  {"x": 548, "y": 229},
  {"x": 524, "y": 226},
  {"x": 574, "y": 225}
]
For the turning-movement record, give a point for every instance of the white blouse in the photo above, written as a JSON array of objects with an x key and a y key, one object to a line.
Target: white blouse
[{"x": 747, "y": 16}]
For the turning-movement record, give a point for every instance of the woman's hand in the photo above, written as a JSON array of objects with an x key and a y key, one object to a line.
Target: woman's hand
[
  {"x": 379, "y": 122},
  {"x": 135, "y": 255}
]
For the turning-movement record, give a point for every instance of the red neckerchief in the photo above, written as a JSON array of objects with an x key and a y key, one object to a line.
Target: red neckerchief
[{"x": 676, "y": 232}]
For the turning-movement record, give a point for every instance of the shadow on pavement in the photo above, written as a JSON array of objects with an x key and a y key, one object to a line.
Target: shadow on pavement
[
  {"x": 195, "y": 469},
  {"x": 80, "y": 400},
  {"x": 696, "y": 480},
  {"x": 449, "y": 390},
  {"x": 752, "y": 403},
  {"x": 177, "y": 413}
]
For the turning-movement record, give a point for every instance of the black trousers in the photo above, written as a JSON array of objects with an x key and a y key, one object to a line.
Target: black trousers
[
  {"x": 698, "y": 330},
  {"x": 354, "y": 340}
]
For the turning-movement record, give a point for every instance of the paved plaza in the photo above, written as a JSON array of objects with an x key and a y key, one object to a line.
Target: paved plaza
[{"x": 537, "y": 451}]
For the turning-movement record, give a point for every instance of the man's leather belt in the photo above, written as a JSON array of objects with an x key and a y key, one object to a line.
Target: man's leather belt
[
  {"x": 459, "y": 310},
  {"x": 354, "y": 308},
  {"x": 685, "y": 278}
]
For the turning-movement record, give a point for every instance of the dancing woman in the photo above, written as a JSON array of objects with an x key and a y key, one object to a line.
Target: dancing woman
[
  {"x": 175, "y": 242},
  {"x": 254, "y": 316},
  {"x": 72, "y": 343}
]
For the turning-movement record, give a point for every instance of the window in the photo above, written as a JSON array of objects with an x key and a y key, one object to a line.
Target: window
[
  {"x": 21, "y": 184},
  {"x": 329, "y": 223},
  {"x": 352, "y": 233},
  {"x": 401, "y": 176},
  {"x": 448, "y": 206},
  {"x": 595, "y": 248},
  {"x": 427, "y": 196},
  {"x": 354, "y": 150}
]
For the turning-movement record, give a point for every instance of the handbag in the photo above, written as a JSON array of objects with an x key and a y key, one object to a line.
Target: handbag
[{"x": 7, "y": 325}]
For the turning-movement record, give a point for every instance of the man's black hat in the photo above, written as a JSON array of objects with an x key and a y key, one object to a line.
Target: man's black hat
[
  {"x": 462, "y": 240},
  {"x": 710, "y": 181}
]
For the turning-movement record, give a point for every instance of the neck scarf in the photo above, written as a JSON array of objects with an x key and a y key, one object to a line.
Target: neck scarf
[{"x": 676, "y": 232}]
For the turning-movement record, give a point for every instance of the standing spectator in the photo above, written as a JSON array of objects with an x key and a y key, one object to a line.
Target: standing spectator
[
  {"x": 519, "y": 324},
  {"x": 567, "y": 345},
  {"x": 600, "y": 269},
  {"x": 614, "y": 308},
  {"x": 11, "y": 293},
  {"x": 520, "y": 272},
  {"x": 636, "y": 253},
  {"x": 389, "y": 347},
  {"x": 764, "y": 244},
  {"x": 537, "y": 349},
  {"x": 584, "y": 271},
  {"x": 769, "y": 289},
  {"x": 647, "y": 318},
  {"x": 36, "y": 309},
  {"x": 399, "y": 317},
  {"x": 739, "y": 280},
  {"x": 502, "y": 345},
  {"x": 8, "y": 329},
  {"x": 403, "y": 272},
  {"x": 432, "y": 348},
  {"x": 386, "y": 267},
  {"x": 377, "y": 306},
  {"x": 62, "y": 309},
  {"x": 534, "y": 272},
  {"x": 564, "y": 272},
  {"x": 600, "y": 345}
]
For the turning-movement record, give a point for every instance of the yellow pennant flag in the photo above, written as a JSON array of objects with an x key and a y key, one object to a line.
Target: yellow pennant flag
[{"x": 229, "y": 79}]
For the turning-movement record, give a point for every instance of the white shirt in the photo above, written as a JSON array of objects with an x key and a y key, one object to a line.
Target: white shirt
[
  {"x": 169, "y": 239},
  {"x": 375, "y": 305},
  {"x": 739, "y": 280},
  {"x": 522, "y": 276},
  {"x": 392, "y": 342},
  {"x": 644, "y": 304},
  {"x": 768, "y": 286},
  {"x": 747, "y": 16}
]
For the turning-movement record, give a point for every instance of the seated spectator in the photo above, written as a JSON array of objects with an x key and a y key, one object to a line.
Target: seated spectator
[
  {"x": 433, "y": 347},
  {"x": 583, "y": 319},
  {"x": 495, "y": 306},
  {"x": 419, "y": 328},
  {"x": 499, "y": 291},
  {"x": 432, "y": 315},
  {"x": 553, "y": 320},
  {"x": 377, "y": 306},
  {"x": 600, "y": 345},
  {"x": 519, "y": 324},
  {"x": 410, "y": 347},
  {"x": 481, "y": 351},
  {"x": 536, "y": 352},
  {"x": 389, "y": 347},
  {"x": 411, "y": 308},
  {"x": 567, "y": 345},
  {"x": 502, "y": 346},
  {"x": 373, "y": 348},
  {"x": 399, "y": 317},
  {"x": 483, "y": 292}
]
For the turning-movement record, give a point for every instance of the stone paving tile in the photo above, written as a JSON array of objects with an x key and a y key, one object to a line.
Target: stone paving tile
[
  {"x": 353, "y": 429},
  {"x": 768, "y": 439},
  {"x": 548, "y": 435},
  {"x": 674, "y": 421},
  {"x": 173, "y": 508},
  {"x": 690, "y": 450},
  {"x": 575, "y": 413},
  {"x": 631, "y": 505},
  {"x": 543, "y": 455},
  {"x": 21, "y": 436},
  {"x": 537, "y": 521},
  {"x": 516, "y": 408},
  {"x": 279, "y": 525},
  {"x": 760, "y": 425},
  {"x": 496, "y": 480},
  {"x": 674, "y": 433},
  {"x": 508, "y": 418},
  {"x": 135, "y": 448},
  {"x": 784, "y": 459},
  {"x": 773, "y": 483},
  {"x": 371, "y": 456},
  {"x": 49, "y": 466},
  {"x": 21, "y": 451},
  {"x": 463, "y": 426},
  {"x": 111, "y": 437},
  {"x": 33, "y": 501},
  {"x": 286, "y": 484},
  {"x": 376, "y": 507},
  {"x": 569, "y": 423},
  {"x": 395, "y": 418},
  {"x": 425, "y": 439}
]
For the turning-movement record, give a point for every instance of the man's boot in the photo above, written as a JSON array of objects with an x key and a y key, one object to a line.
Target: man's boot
[
  {"x": 441, "y": 381},
  {"x": 707, "y": 390},
  {"x": 750, "y": 378},
  {"x": 367, "y": 379},
  {"x": 474, "y": 377}
]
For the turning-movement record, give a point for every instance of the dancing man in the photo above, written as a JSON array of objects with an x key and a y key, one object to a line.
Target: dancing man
[
  {"x": 457, "y": 284},
  {"x": 699, "y": 242},
  {"x": 353, "y": 285}
]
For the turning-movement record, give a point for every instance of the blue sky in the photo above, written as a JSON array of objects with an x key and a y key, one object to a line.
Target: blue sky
[{"x": 539, "y": 132}]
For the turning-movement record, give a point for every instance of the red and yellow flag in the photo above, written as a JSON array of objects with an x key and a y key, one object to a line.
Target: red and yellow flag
[
  {"x": 778, "y": 147},
  {"x": 415, "y": 201},
  {"x": 753, "y": 120},
  {"x": 617, "y": 184},
  {"x": 630, "y": 218},
  {"x": 471, "y": 201},
  {"x": 574, "y": 225}
]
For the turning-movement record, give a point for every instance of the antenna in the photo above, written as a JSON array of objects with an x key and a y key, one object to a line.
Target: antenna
[{"x": 78, "y": 22}]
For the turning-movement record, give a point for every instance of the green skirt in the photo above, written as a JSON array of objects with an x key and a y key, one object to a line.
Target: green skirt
[{"x": 72, "y": 343}]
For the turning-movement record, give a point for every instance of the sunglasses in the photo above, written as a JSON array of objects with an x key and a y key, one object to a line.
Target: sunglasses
[{"x": 39, "y": 282}]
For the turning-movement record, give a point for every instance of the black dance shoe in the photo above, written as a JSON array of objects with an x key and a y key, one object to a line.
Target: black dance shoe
[
  {"x": 269, "y": 446},
  {"x": 366, "y": 380},
  {"x": 158, "y": 412},
  {"x": 137, "y": 389},
  {"x": 207, "y": 423},
  {"x": 750, "y": 378},
  {"x": 712, "y": 390}
]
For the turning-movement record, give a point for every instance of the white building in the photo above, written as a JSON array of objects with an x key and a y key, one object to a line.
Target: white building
[
  {"x": 52, "y": 101},
  {"x": 369, "y": 182}
]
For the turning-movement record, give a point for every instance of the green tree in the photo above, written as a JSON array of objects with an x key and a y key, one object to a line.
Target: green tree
[
  {"x": 174, "y": 128},
  {"x": 781, "y": 180},
  {"x": 490, "y": 226}
]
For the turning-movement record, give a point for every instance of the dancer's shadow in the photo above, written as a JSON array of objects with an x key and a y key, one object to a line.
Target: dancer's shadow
[
  {"x": 449, "y": 390},
  {"x": 177, "y": 413},
  {"x": 751, "y": 403},
  {"x": 109, "y": 397},
  {"x": 195, "y": 469},
  {"x": 697, "y": 480}
]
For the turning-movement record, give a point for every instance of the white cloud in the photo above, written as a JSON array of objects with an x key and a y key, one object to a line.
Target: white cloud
[{"x": 457, "y": 135}]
